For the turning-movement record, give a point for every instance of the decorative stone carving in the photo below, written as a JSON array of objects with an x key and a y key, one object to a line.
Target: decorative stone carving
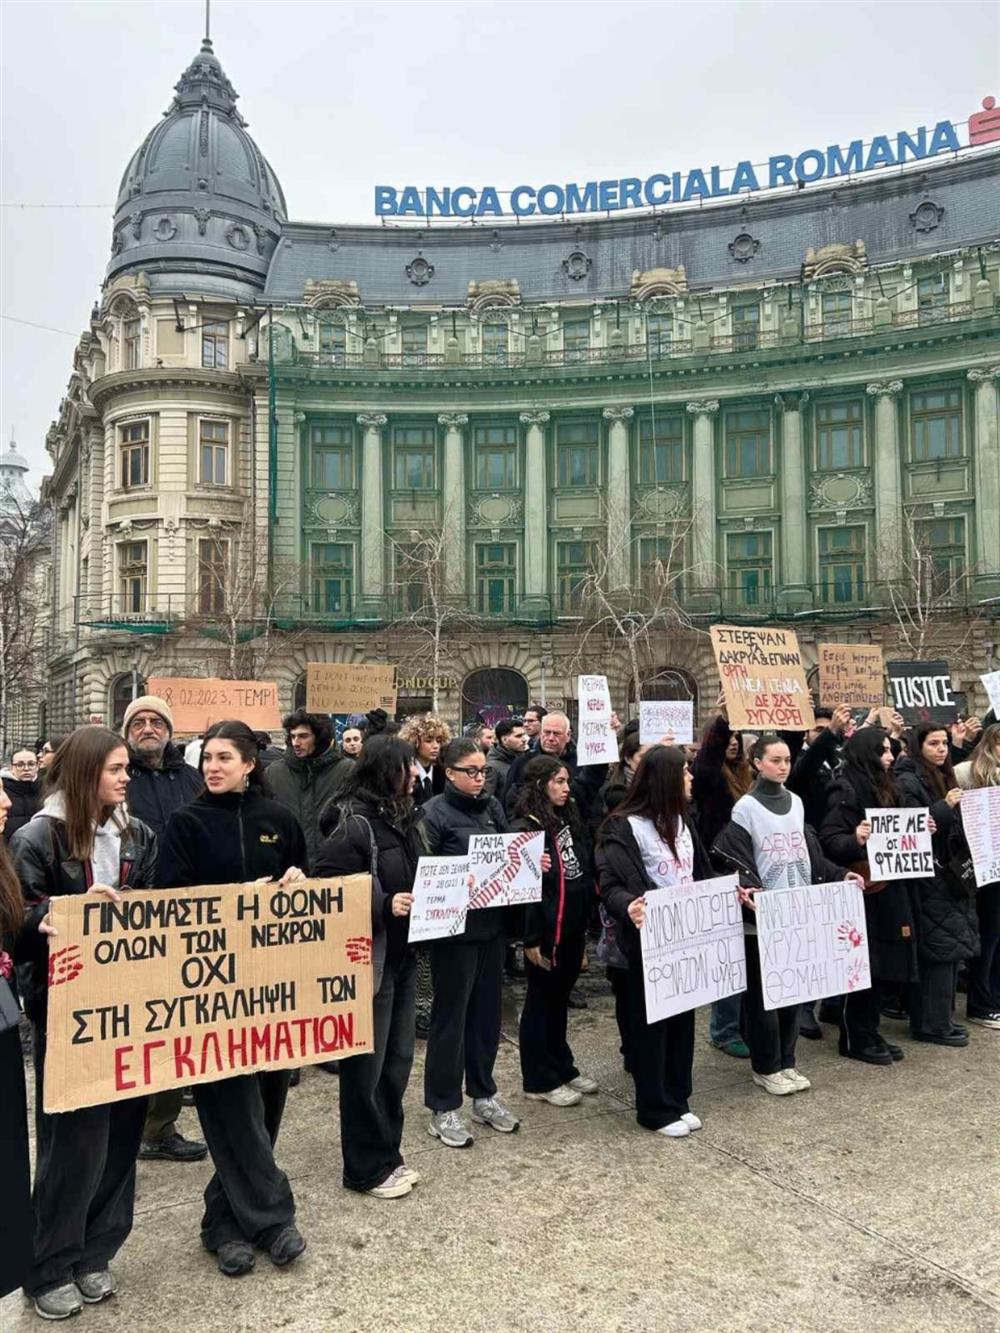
[
  {"x": 420, "y": 271},
  {"x": 743, "y": 247},
  {"x": 663, "y": 503},
  {"x": 836, "y": 282},
  {"x": 577, "y": 265},
  {"x": 135, "y": 220},
  {"x": 334, "y": 241},
  {"x": 536, "y": 418},
  {"x": 708, "y": 408},
  {"x": 493, "y": 292},
  {"x": 838, "y": 257},
  {"x": 238, "y": 236},
  {"x": 658, "y": 282},
  {"x": 618, "y": 413},
  {"x": 330, "y": 292},
  {"x": 453, "y": 420},
  {"x": 201, "y": 216},
  {"x": 888, "y": 388},
  {"x": 926, "y": 216},
  {"x": 496, "y": 511},
  {"x": 260, "y": 234},
  {"x": 372, "y": 420},
  {"x": 496, "y": 245},
  {"x": 117, "y": 243},
  {"x": 840, "y": 490},
  {"x": 790, "y": 402},
  {"x": 332, "y": 510},
  {"x": 986, "y": 373},
  {"x": 165, "y": 229}
]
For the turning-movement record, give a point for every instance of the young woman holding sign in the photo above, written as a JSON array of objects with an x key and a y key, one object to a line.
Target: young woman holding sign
[
  {"x": 770, "y": 846},
  {"x": 371, "y": 830},
  {"x": 864, "y": 782},
  {"x": 648, "y": 843},
  {"x": 947, "y": 928},
  {"x": 982, "y": 1001},
  {"x": 554, "y": 932},
  {"x": 234, "y": 834},
  {"x": 81, "y": 841}
]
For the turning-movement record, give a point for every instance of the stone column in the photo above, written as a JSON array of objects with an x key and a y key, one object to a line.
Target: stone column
[
  {"x": 535, "y": 505},
  {"x": 453, "y": 512},
  {"x": 794, "y": 526},
  {"x": 372, "y": 513},
  {"x": 987, "y": 382},
  {"x": 619, "y": 497},
  {"x": 888, "y": 481},
  {"x": 705, "y": 573}
]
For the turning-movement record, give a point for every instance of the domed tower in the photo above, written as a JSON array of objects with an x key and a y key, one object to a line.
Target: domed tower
[
  {"x": 14, "y": 493},
  {"x": 199, "y": 206}
]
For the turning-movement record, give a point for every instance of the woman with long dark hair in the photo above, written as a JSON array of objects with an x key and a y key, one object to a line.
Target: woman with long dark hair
[
  {"x": 982, "y": 1000},
  {"x": 233, "y": 834},
  {"x": 947, "y": 927},
  {"x": 15, "y": 1251},
  {"x": 864, "y": 781},
  {"x": 554, "y": 932},
  {"x": 372, "y": 830},
  {"x": 649, "y": 843},
  {"x": 81, "y": 841}
]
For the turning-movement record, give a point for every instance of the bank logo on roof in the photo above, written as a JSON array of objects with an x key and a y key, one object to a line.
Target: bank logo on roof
[{"x": 677, "y": 187}]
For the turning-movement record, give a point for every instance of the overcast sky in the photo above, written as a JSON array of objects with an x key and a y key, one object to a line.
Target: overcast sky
[{"x": 341, "y": 97}]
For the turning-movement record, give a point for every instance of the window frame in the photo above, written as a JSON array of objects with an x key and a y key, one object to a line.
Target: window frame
[
  {"x": 131, "y": 342},
  {"x": 746, "y": 332},
  {"x": 579, "y": 348},
  {"x": 564, "y": 449},
  {"x": 749, "y": 563},
  {"x": 944, "y": 581},
  {"x": 733, "y": 435},
  {"x": 129, "y": 448},
  {"x": 323, "y": 573},
  {"x": 508, "y": 450},
  {"x": 498, "y": 355},
  {"x": 920, "y": 420},
  {"x": 215, "y": 344},
  {"x": 503, "y": 571},
  {"x": 217, "y": 447},
  {"x": 133, "y": 575},
  {"x": 345, "y": 449},
  {"x": 824, "y": 430},
  {"x": 403, "y": 449},
  {"x": 855, "y": 557},
  {"x": 647, "y": 445},
  {"x": 335, "y": 355},
  {"x": 569, "y": 598},
  {"x": 212, "y": 595}
]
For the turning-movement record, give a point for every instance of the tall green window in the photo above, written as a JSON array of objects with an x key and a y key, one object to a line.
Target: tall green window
[
  {"x": 496, "y": 457},
  {"x": 576, "y": 339},
  {"x": 213, "y": 452},
  {"x": 575, "y": 562},
  {"x": 936, "y": 425},
  {"x": 413, "y": 458},
  {"x": 746, "y": 325},
  {"x": 332, "y": 457},
  {"x": 494, "y": 344},
  {"x": 333, "y": 342},
  {"x": 496, "y": 578},
  {"x": 841, "y": 564},
  {"x": 748, "y": 444},
  {"x": 659, "y": 333},
  {"x": 661, "y": 449},
  {"x": 750, "y": 565},
  {"x": 932, "y": 298},
  {"x": 836, "y": 313},
  {"x": 839, "y": 435},
  {"x": 414, "y": 340},
  {"x": 661, "y": 562},
  {"x": 940, "y": 546},
  {"x": 578, "y": 453},
  {"x": 332, "y": 577}
]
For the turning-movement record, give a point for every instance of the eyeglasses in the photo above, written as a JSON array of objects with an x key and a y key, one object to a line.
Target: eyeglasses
[
  {"x": 27, "y": 763},
  {"x": 473, "y": 772}
]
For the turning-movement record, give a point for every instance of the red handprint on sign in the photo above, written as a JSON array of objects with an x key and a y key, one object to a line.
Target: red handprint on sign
[
  {"x": 848, "y": 933},
  {"x": 64, "y": 965},
  {"x": 359, "y": 949},
  {"x": 854, "y": 974}
]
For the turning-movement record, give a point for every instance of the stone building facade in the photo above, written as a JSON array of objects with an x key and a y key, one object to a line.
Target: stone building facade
[{"x": 499, "y": 455}]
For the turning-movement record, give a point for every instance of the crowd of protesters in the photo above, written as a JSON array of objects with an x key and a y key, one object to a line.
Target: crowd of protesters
[{"x": 103, "y": 813}]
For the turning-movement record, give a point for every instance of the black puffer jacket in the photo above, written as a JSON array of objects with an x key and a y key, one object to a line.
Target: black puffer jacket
[
  {"x": 25, "y": 803},
  {"x": 567, "y": 887},
  {"x": 155, "y": 793},
  {"x": 304, "y": 786},
  {"x": 892, "y": 935},
  {"x": 621, "y": 877},
  {"x": 710, "y": 794},
  {"x": 450, "y": 820},
  {"x": 585, "y": 783},
  {"x": 46, "y": 870},
  {"x": 947, "y": 925},
  {"x": 499, "y": 762},
  {"x": 813, "y": 772},
  {"x": 229, "y": 839}
]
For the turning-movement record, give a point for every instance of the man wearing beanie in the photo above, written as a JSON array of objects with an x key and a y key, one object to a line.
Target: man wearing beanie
[{"x": 161, "y": 782}]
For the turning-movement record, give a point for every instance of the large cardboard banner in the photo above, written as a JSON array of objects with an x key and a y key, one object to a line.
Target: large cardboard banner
[
  {"x": 666, "y": 717},
  {"x": 506, "y": 869},
  {"x": 921, "y": 692},
  {"x": 762, "y": 678},
  {"x": 851, "y": 674},
  {"x": 596, "y": 743},
  {"x": 178, "y": 986},
  {"x": 440, "y": 898},
  {"x": 197, "y": 702},
  {"x": 350, "y": 687},
  {"x": 692, "y": 946},
  {"x": 813, "y": 941},
  {"x": 980, "y": 809},
  {"x": 900, "y": 845}
]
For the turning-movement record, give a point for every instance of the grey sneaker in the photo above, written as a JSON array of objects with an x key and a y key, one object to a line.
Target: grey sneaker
[
  {"x": 449, "y": 1127},
  {"x": 60, "y": 1302},
  {"x": 97, "y": 1286},
  {"x": 491, "y": 1111}
]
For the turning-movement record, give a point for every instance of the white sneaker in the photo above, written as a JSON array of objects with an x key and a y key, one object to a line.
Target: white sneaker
[
  {"x": 775, "y": 1084},
  {"x": 677, "y": 1130},
  {"x": 410, "y": 1173},
  {"x": 798, "y": 1081},
  {"x": 449, "y": 1127},
  {"x": 564, "y": 1095},
  {"x": 583, "y": 1083},
  {"x": 393, "y": 1187},
  {"x": 981, "y": 1020},
  {"x": 691, "y": 1120}
]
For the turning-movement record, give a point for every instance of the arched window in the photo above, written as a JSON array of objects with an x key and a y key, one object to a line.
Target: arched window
[
  {"x": 492, "y": 693},
  {"x": 122, "y": 691}
]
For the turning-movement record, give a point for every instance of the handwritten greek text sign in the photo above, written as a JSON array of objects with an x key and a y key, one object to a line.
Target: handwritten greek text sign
[
  {"x": 595, "y": 742},
  {"x": 813, "y": 941},
  {"x": 350, "y": 687},
  {"x": 851, "y": 674},
  {"x": 506, "y": 869},
  {"x": 197, "y": 702},
  {"x": 762, "y": 678},
  {"x": 178, "y": 986},
  {"x": 666, "y": 717},
  {"x": 900, "y": 844},
  {"x": 692, "y": 946},
  {"x": 981, "y": 820},
  {"x": 440, "y": 898}
]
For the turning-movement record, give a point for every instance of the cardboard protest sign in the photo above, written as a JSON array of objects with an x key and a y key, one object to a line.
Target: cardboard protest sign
[
  {"x": 813, "y": 941},
  {"x": 851, "y": 674},
  {"x": 762, "y": 678},
  {"x": 596, "y": 743},
  {"x": 921, "y": 692},
  {"x": 440, "y": 898},
  {"x": 991, "y": 683},
  {"x": 197, "y": 702},
  {"x": 692, "y": 946},
  {"x": 666, "y": 717},
  {"x": 980, "y": 809},
  {"x": 181, "y": 986},
  {"x": 900, "y": 844},
  {"x": 350, "y": 687},
  {"x": 506, "y": 869}
]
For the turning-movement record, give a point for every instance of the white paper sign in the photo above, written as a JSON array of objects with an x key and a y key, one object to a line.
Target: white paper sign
[
  {"x": 506, "y": 869},
  {"x": 692, "y": 946},
  {"x": 666, "y": 717},
  {"x": 596, "y": 743},
  {"x": 900, "y": 844},
  {"x": 980, "y": 809},
  {"x": 813, "y": 941},
  {"x": 440, "y": 898},
  {"x": 992, "y": 682}
]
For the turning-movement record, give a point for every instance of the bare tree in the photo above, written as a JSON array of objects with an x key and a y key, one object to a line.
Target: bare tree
[
  {"x": 928, "y": 589},
  {"x": 24, "y": 543}
]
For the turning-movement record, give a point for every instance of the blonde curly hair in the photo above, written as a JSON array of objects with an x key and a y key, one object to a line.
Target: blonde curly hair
[{"x": 426, "y": 727}]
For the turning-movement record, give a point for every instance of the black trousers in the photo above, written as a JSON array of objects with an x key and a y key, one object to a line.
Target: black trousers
[
  {"x": 372, "y": 1086},
  {"x": 546, "y": 1059},
  {"x": 983, "y": 995},
  {"x": 161, "y": 1117},
  {"x": 859, "y": 1020},
  {"x": 932, "y": 999},
  {"x": 464, "y": 1035},
  {"x": 84, "y": 1183},
  {"x": 618, "y": 979},
  {"x": 660, "y": 1057},
  {"x": 249, "y": 1197},
  {"x": 771, "y": 1034}
]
